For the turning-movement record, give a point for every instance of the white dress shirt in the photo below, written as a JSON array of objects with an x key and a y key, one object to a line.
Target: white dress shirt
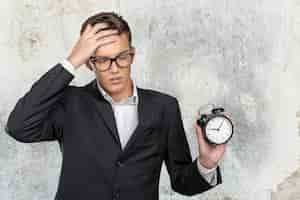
[
  {"x": 125, "y": 112},
  {"x": 127, "y": 109}
]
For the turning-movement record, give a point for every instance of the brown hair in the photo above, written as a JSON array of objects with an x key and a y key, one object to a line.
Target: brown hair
[{"x": 113, "y": 20}]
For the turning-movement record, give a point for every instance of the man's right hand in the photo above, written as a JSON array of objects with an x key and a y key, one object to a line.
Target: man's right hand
[{"x": 91, "y": 39}]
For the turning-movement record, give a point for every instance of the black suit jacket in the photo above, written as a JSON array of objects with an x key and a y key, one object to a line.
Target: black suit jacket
[{"x": 94, "y": 166}]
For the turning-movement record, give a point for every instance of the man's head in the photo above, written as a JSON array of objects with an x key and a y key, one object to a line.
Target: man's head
[
  {"x": 114, "y": 59},
  {"x": 112, "y": 19}
]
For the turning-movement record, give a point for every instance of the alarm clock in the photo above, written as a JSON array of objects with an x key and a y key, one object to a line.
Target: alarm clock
[{"x": 217, "y": 127}]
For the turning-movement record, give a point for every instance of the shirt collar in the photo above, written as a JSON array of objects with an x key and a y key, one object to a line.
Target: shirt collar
[{"x": 132, "y": 100}]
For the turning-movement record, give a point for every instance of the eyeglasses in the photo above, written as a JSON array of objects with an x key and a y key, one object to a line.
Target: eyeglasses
[{"x": 122, "y": 60}]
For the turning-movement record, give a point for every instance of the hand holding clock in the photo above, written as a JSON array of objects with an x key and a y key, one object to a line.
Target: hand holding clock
[
  {"x": 209, "y": 154},
  {"x": 213, "y": 132}
]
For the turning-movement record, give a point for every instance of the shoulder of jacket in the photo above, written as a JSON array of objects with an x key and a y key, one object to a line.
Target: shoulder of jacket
[
  {"x": 160, "y": 96},
  {"x": 72, "y": 92}
]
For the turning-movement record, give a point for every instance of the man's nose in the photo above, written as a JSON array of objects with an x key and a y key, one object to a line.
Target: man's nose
[{"x": 114, "y": 67}]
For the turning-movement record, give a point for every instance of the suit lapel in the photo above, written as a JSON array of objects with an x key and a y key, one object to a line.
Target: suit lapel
[
  {"x": 105, "y": 111},
  {"x": 144, "y": 117}
]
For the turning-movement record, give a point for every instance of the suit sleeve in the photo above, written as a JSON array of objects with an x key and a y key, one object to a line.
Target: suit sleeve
[
  {"x": 38, "y": 115},
  {"x": 183, "y": 171}
]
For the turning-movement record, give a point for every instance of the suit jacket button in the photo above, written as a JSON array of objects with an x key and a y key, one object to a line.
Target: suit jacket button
[
  {"x": 120, "y": 164},
  {"x": 116, "y": 196}
]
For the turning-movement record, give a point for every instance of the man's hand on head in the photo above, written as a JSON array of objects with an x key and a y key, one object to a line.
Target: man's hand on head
[{"x": 92, "y": 38}]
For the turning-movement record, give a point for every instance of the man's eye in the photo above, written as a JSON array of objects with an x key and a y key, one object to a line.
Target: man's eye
[
  {"x": 124, "y": 57},
  {"x": 102, "y": 60}
]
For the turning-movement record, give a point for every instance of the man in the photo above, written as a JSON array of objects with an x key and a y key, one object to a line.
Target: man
[{"x": 113, "y": 135}]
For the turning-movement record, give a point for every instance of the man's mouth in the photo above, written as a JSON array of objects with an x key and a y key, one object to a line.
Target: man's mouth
[{"x": 115, "y": 80}]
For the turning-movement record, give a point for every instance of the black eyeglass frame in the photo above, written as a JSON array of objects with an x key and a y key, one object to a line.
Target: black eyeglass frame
[{"x": 93, "y": 59}]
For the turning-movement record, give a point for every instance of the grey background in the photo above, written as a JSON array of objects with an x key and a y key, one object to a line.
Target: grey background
[{"x": 239, "y": 54}]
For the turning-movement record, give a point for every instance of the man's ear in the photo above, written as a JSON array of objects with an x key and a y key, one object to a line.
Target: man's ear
[
  {"x": 89, "y": 65},
  {"x": 133, "y": 51}
]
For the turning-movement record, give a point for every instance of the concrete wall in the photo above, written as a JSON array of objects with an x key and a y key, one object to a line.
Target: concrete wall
[{"x": 240, "y": 54}]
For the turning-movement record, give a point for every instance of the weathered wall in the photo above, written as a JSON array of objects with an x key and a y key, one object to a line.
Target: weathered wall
[{"x": 240, "y": 54}]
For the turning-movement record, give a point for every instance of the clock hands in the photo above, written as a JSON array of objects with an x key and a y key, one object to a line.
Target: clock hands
[
  {"x": 214, "y": 129},
  {"x": 221, "y": 125},
  {"x": 217, "y": 129}
]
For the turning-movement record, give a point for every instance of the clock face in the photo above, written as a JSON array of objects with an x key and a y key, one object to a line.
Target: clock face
[{"x": 219, "y": 129}]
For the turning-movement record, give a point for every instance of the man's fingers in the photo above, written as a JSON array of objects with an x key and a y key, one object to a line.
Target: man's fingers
[
  {"x": 107, "y": 29},
  {"x": 226, "y": 114},
  {"x": 106, "y": 39},
  {"x": 104, "y": 34},
  {"x": 97, "y": 27},
  {"x": 104, "y": 42},
  {"x": 221, "y": 147},
  {"x": 199, "y": 133},
  {"x": 90, "y": 30},
  {"x": 100, "y": 31},
  {"x": 87, "y": 29}
]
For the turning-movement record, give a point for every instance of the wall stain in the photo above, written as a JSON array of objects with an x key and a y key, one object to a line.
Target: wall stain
[
  {"x": 26, "y": 34},
  {"x": 289, "y": 189}
]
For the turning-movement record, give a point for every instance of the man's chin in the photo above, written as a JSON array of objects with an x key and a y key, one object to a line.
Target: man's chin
[{"x": 116, "y": 88}]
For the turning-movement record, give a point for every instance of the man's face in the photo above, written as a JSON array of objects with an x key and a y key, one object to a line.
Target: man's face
[{"x": 116, "y": 79}]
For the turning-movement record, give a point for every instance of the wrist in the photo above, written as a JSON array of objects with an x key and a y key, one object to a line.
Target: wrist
[
  {"x": 73, "y": 61},
  {"x": 207, "y": 163},
  {"x": 203, "y": 169}
]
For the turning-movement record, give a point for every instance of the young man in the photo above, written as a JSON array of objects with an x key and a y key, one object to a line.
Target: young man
[{"x": 113, "y": 135}]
